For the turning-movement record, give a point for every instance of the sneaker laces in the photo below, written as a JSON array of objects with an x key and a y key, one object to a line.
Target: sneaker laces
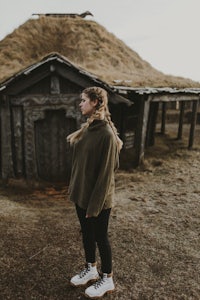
[
  {"x": 84, "y": 272},
  {"x": 98, "y": 283}
]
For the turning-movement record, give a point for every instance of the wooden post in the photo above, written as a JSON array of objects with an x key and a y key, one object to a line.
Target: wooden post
[
  {"x": 151, "y": 128},
  {"x": 181, "y": 116},
  {"x": 141, "y": 129},
  {"x": 6, "y": 143},
  {"x": 193, "y": 123},
  {"x": 164, "y": 109}
]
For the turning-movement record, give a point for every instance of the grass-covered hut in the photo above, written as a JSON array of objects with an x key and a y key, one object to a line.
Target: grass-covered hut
[{"x": 45, "y": 63}]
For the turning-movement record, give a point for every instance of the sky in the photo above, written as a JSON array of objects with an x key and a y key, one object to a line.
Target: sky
[{"x": 163, "y": 32}]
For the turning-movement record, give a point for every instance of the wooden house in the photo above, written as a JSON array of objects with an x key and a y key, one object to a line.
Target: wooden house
[
  {"x": 50, "y": 61},
  {"x": 38, "y": 109},
  {"x": 141, "y": 118}
]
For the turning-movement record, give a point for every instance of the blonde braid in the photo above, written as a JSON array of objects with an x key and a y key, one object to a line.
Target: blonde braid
[{"x": 114, "y": 129}]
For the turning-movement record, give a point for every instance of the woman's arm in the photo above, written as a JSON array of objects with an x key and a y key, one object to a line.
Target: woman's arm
[{"x": 107, "y": 166}]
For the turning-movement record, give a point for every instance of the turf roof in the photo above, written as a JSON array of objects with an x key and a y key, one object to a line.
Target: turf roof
[{"x": 86, "y": 44}]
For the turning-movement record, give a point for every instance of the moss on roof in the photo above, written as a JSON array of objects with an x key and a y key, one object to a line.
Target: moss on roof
[{"x": 88, "y": 45}]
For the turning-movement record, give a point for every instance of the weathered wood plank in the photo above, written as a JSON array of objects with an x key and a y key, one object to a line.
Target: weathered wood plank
[
  {"x": 142, "y": 129},
  {"x": 6, "y": 140},
  {"x": 193, "y": 123},
  {"x": 17, "y": 132},
  {"x": 163, "y": 120},
  {"x": 181, "y": 116},
  {"x": 151, "y": 127},
  {"x": 174, "y": 97}
]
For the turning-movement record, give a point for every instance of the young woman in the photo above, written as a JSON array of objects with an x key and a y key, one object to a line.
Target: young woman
[{"x": 96, "y": 148}]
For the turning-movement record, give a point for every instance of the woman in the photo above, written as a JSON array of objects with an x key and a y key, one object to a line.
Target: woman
[{"x": 96, "y": 148}]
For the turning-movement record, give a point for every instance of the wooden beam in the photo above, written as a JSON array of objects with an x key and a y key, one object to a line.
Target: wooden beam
[
  {"x": 6, "y": 140},
  {"x": 193, "y": 123},
  {"x": 174, "y": 97},
  {"x": 142, "y": 129},
  {"x": 181, "y": 116},
  {"x": 163, "y": 119},
  {"x": 151, "y": 128}
]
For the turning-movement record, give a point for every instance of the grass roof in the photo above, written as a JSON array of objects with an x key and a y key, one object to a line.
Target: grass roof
[{"x": 88, "y": 45}]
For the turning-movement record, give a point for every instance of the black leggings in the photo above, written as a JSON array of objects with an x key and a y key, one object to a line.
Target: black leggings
[{"x": 95, "y": 231}]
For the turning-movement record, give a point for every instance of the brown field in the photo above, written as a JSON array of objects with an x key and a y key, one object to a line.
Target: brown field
[{"x": 154, "y": 232}]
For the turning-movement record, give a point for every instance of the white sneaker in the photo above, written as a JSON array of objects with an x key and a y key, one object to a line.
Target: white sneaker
[
  {"x": 101, "y": 287},
  {"x": 88, "y": 274}
]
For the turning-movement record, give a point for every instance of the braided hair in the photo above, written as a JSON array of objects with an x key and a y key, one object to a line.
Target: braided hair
[{"x": 101, "y": 113}]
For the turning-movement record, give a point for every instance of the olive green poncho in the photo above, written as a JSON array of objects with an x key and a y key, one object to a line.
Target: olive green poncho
[{"x": 95, "y": 159}]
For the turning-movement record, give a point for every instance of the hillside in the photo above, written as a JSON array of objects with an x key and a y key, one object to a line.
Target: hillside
[{"x": 85, "y": 43}]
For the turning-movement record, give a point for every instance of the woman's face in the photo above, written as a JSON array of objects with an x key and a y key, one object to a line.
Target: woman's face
[{"x": 87, "y": 107}]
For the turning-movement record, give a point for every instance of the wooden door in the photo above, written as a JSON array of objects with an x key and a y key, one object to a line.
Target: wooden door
[{"x": 52, "y": 150}]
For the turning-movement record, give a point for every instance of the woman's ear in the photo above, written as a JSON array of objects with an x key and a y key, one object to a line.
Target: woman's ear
[{"x": 95, "y": 103}]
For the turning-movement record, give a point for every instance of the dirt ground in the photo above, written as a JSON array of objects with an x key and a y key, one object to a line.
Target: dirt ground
[{"x": 154, "y": 231}]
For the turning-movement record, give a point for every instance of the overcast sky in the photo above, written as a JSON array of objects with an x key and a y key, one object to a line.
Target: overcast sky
[{"x": 163, "y": 32}]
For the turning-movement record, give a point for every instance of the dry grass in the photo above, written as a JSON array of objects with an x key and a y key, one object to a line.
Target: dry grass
[
  {"x": 154, "y": 231},
  {"x": 85, "y": 43}
]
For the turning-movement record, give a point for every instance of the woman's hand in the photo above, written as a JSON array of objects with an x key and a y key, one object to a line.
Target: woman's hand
[{"x": 87, "y": 216}]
